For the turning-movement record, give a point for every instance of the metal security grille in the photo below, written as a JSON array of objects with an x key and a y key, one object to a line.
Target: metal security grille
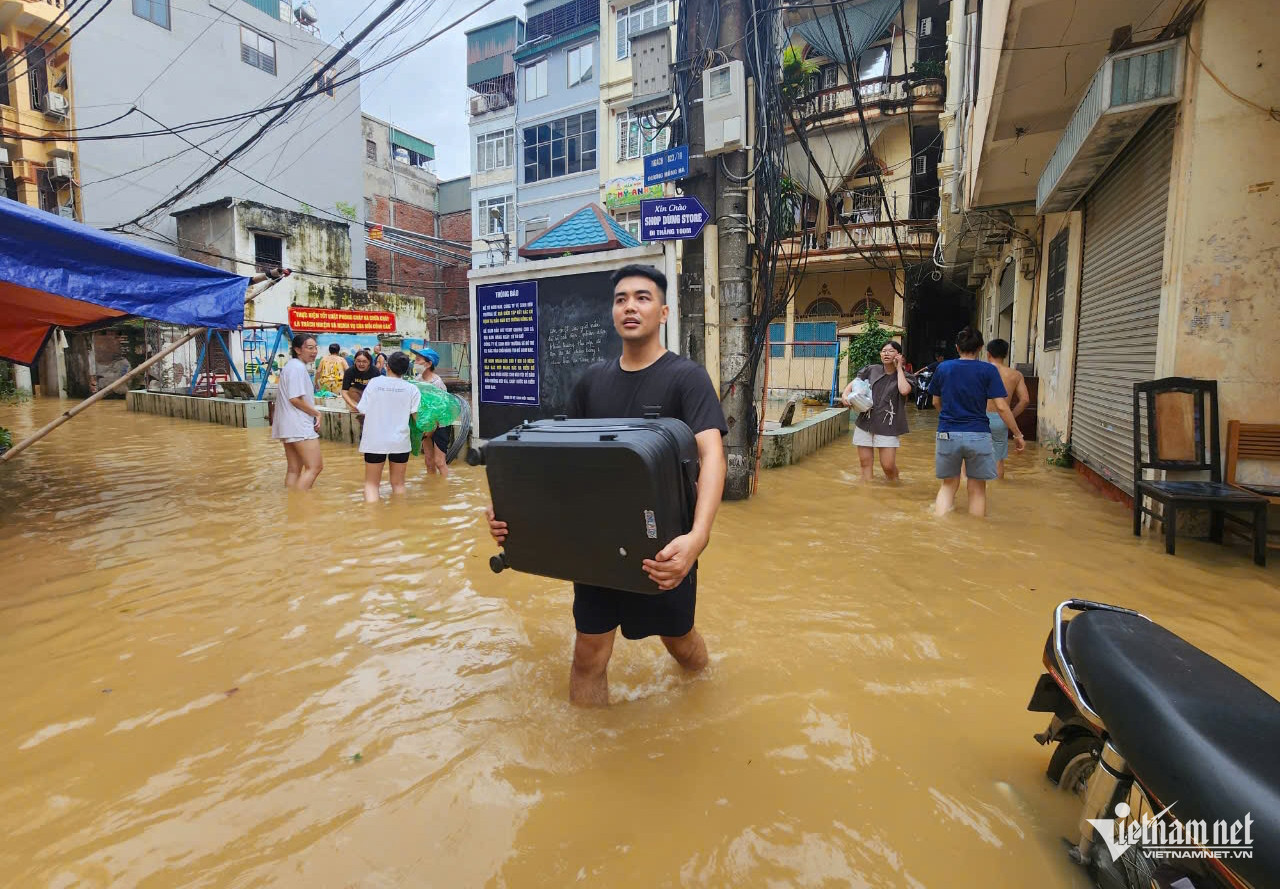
[
  {"x": 1124, "y": 227},
  {"x": 1007, "y": 279}
]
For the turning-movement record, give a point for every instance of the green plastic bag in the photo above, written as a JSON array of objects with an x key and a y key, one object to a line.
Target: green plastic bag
[{"x": 436, "y": 408}]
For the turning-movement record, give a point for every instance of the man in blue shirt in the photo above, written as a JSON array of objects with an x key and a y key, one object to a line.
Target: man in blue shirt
[{"x": 961, "y": 389}]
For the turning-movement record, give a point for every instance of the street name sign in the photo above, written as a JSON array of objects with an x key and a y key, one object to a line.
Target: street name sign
[{"x": 664, "y": 166}]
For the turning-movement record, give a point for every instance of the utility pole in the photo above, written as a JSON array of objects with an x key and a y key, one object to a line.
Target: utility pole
[
  {"x": 737, "y": 388},
  {"x": 700, "y": 184}
]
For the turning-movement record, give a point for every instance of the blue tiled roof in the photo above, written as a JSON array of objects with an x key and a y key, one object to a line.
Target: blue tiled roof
[{"x": 584, "y": 228}]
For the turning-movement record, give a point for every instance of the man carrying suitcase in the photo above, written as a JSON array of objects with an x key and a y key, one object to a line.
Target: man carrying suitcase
[{"x": 647, "y": 379}]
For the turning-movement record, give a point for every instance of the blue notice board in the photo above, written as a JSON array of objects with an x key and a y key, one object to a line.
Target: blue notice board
[
  {"x": 663, "y": 166},
  {"x": 507, "y": 322}
]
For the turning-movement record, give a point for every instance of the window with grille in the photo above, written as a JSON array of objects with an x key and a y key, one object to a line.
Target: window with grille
[
  {"x": 639, "y": 135},
  {"x": 371, "y": 275},
  {"x": 258, "y": 51},
  {"x": 1057, "y": 290},
  {"x": 859, "y": 205},
  {"x": 639, "y": 17},
  {"x": 9, "y": 181},
  {"x": 495, "y": 151},
  {"x": 777, "y": 334},
  {"x": 535, "y": 80},
  {"x": 154, "y": 11},
  {"x": 560, "y": 147},
  {"x": 268, "y": 252},
  {"x": 491, "y": 223},
  {"x": 812, "y": 332},
  {"x": 630, "y": 220},
  {"x": 579, "y": 64},
  {"x": 37, "y": 76},
  {"x": 370, "y": 150}
]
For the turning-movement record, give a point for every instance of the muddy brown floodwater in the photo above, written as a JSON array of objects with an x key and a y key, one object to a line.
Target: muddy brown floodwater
[{"x": 208, "y": 683}]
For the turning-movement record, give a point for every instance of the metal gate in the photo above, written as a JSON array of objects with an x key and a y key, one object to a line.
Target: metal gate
[{"x": 1124, "y": 226}]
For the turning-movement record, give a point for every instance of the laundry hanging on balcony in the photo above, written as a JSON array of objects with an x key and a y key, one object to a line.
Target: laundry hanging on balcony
[
  {"x": 864, "y": 23},
  {"x": 839, "y": 151}
]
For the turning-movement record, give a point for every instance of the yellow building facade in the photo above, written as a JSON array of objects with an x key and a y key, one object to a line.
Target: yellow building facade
[{"x": 36, "y": 106}]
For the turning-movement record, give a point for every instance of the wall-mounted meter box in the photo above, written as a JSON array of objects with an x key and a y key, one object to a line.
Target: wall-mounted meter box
[{"x": 724, "y": 108}]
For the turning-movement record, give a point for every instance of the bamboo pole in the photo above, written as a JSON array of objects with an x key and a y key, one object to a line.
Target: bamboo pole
[{"x": 93, "y": 399}]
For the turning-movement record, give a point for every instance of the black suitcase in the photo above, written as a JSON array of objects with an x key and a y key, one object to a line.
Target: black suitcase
[{"x": 588, "y": 500}]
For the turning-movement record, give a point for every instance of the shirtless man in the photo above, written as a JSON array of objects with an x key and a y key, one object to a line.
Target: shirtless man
[{"x": 1016, "y": 386}]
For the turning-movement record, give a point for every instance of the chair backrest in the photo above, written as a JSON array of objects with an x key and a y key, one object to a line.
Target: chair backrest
[
  {"x": 1250, "y": 441},
  {"x": 1181, "y": 416}
]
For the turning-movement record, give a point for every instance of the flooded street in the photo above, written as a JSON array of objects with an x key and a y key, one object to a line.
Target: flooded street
[{"x": 209, "y": 683}]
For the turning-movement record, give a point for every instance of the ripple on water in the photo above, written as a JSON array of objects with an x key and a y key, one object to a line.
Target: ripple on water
[{"x": 213, "y": 683}]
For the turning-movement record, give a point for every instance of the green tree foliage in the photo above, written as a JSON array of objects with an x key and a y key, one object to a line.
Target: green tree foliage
[{"x": 865, "y": 348}]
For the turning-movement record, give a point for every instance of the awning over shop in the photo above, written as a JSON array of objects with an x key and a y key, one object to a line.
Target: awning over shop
[{"x": 58, "y": 273}]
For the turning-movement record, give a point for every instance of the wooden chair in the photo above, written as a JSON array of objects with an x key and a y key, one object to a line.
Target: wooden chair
[
  {"x": 1178, "y": 440},
  {"x": 1253, "y": 441}
]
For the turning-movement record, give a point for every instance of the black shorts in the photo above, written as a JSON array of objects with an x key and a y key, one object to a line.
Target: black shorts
[
  {"x": 600, "y": 609},
  {"x": 443, "y": 438},
  {"x": 382, "y": 458}
]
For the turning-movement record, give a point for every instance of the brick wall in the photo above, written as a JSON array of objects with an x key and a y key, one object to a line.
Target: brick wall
[{"x": 455, "y": 300}]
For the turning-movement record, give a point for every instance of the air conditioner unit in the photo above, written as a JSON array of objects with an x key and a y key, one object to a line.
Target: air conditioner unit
[
  {"x": 62, "y": 168},
  {"x": 56, "y": 105},
  {"x": 479, "y": 104},
  {"x": 67, "y": 211},
  {"x": 926, "y": 27}
]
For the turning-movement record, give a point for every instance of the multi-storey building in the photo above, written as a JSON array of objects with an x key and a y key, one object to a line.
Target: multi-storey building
[
  {"x": 36, "y": 108},
  {"x": 491, "y": 76},
  {"x": 636, "y": 106},
  {"x": 173, "y": 65},
  {"x": 455, "y": 226},
  {"x": 400, "y": 198},
  {"x": 557, "y": 113},
  {"x": 1116, "y": 218},
  {"x": 862, "y": 153}
]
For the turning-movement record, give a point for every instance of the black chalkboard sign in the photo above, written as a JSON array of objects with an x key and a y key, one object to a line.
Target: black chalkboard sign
[{"x": 575, "y": 329}]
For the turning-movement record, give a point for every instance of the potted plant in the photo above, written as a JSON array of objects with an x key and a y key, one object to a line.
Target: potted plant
[{"x": 927, "y": 78}]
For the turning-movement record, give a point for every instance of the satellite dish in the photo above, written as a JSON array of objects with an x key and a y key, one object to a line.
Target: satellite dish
[{"x": 306, "y": 14}]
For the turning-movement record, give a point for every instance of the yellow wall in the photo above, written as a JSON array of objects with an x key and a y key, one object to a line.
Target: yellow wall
[
  {"x": 19, "y": 119},
  {"x": 1056, "y": 367},
  {"x": 1221, "y": 307}
]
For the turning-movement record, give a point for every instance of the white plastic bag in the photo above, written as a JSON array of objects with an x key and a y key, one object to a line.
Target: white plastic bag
[{"x": 859, "y": 397}]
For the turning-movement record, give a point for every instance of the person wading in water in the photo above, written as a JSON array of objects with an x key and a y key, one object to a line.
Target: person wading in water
[
  {"x": 295, "y": 422},
  {"x": 646, "y": 377}
]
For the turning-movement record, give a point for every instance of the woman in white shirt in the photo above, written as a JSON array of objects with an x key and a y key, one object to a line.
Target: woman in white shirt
[
  {"x": 295, "y": 421},
  {"x": 388, "y": 404}
]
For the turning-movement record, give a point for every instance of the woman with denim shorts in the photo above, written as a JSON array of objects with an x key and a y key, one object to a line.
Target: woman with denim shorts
[{"x": 961, "y": 389}]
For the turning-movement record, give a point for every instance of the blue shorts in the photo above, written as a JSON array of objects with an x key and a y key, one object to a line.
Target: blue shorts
[
  {"x": 999, "y": 435},
  {"x": 973, "y": 449}
]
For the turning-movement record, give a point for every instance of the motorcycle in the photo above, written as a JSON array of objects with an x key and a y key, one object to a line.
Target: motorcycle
[
  {"x": 1174, "y": 754},
  {"x": 924, "y": 401}
]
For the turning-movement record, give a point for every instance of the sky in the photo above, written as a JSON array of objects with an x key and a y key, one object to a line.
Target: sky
[{"x": 425, "y": 94}]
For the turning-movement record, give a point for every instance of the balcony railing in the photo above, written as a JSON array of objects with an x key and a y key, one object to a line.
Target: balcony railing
[
  {"x": 915, "y": 235},
  {"x": 878, "y": 95},
  {"x": 1126, "y": 89}
]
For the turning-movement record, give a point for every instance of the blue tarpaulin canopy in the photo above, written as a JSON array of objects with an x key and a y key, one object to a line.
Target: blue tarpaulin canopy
[{"x": 58, "y": 273}]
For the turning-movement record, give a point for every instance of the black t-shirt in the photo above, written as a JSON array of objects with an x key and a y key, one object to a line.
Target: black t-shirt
[
  {"x": 673, "y": 386},
  {"x": 356, "y": 379}
]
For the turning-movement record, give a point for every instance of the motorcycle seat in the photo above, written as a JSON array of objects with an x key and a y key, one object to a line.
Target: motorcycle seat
[{"x": 1197, "y": 734}]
